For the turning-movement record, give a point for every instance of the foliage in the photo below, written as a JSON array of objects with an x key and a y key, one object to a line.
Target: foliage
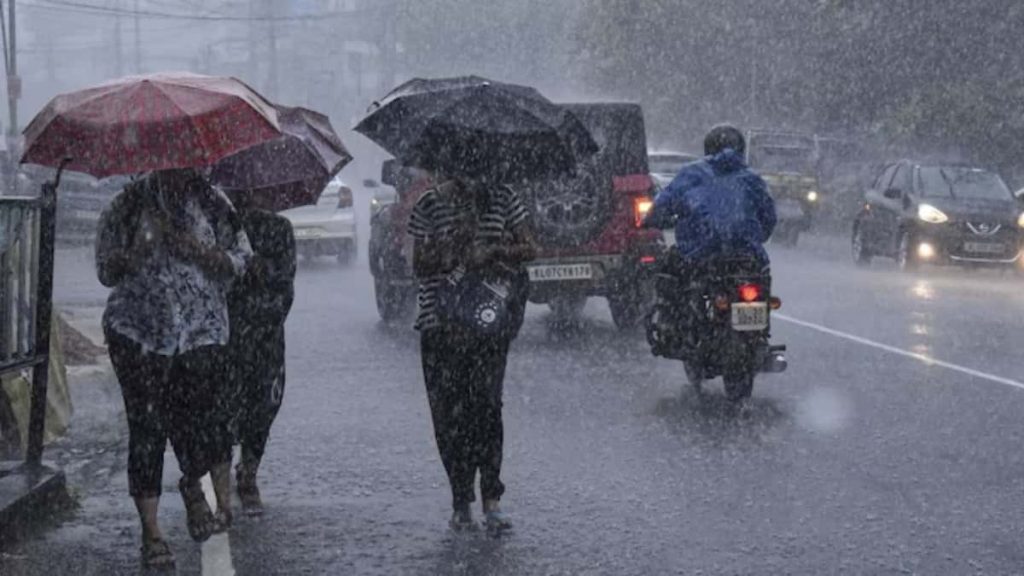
[{"x": 942, "y": 75}]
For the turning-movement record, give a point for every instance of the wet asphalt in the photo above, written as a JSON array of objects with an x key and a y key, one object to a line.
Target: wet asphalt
[{"x": 893, "y": 445}]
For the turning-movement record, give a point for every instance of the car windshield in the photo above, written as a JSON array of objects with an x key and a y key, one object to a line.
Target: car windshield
[
  {"x": 782, "y": 159},
  {"x": 951, "y": 182}
]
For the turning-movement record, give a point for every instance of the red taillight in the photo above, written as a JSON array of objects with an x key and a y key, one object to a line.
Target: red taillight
[
  {"x": 749, "y": 292},
  {"x": 641, "y": 208},
  {"x": 648, "y": 259}
]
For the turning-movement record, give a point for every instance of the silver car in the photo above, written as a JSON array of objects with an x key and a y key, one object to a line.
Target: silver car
[{"x": 327, "y": 228}]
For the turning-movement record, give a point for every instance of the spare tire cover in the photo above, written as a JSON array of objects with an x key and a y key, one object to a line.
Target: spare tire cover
[{"x": 570, "y": 211}]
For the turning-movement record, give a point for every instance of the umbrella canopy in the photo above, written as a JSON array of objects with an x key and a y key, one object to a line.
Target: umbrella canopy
[
  {"x": 290, "y": 170},
  {"x": 474, "y": 127},
  {"x": 154, "y": 122}
]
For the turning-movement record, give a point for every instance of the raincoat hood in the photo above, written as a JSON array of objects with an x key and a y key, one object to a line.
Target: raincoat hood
[
  {"x": 719, "y": 208},
  {"x": 726, "y": 161}
]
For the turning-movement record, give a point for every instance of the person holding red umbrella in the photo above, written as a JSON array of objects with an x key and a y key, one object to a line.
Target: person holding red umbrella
[{"x": 170, "y": 246}]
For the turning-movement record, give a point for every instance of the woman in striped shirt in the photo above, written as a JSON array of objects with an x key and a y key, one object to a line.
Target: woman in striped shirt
[{"x": 479, "y": 227}]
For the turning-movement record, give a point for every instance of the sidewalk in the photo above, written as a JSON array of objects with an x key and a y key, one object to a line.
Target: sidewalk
[{"x": 90, "y": 454}]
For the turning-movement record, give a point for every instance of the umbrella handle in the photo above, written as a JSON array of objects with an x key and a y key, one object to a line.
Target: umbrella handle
[{"x": 60, "y": 170}]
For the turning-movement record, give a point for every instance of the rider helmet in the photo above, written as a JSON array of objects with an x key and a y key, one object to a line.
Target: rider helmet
[{"x": 724, "y": 136}]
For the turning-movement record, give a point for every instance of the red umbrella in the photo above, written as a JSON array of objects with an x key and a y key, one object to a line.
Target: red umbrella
[
  {"x": 291, "y": 170},
  {"x": 154, "y": 122}
]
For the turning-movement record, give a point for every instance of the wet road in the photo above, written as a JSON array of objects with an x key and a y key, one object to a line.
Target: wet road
[{"x": 866, "y": 457}]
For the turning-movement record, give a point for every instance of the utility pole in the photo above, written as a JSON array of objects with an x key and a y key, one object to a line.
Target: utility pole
[
  {"x": 118, "y": 43},
  {"x": 269, "y": 11},
  {"x": 138, "y": 40},
  {"x": 253, "y": 63},
  {"x": 13, "y": 82}
]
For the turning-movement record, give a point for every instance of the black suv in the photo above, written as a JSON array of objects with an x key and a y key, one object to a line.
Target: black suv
[{"x": 938, "y": 214}]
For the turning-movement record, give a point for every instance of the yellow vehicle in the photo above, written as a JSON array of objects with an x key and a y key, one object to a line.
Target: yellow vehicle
[{"x": 788, "y": 163}]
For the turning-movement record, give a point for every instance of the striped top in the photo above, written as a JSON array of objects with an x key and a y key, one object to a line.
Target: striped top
[{"x": 437, "y": 216}]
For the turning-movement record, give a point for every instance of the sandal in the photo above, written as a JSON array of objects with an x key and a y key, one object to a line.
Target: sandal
[
  {"x": 223, "y": 519},
  {"x": 248, "y": 492},
  {"x": 157, "y": 554},
  {"x": 201, "y": 521}
]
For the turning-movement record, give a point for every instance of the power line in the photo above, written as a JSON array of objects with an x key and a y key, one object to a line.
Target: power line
[{"x": 86, "y": 8}]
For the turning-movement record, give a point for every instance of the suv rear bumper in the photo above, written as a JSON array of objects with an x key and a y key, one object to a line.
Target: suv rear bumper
[{"x": 610, "y": 274}]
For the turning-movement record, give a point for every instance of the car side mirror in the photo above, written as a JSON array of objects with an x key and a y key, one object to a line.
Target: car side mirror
[
  {"x": 893, "y": 193},
  {"x": 370, "y": 183},
  {"x": 389, "y": 172}
]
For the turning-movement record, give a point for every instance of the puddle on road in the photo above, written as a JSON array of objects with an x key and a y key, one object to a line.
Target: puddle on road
[{"x": 824, "y": 410}]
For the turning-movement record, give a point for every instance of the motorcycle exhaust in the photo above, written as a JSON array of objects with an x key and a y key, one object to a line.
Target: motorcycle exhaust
[{"x": 775, "y": 362}]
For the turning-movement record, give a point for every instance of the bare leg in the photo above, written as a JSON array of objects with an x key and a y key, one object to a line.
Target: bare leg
[
  {"x": 147, "y": 508},
  {"x": 221, "y": 477},
  {"x": 248, "y": 491}
]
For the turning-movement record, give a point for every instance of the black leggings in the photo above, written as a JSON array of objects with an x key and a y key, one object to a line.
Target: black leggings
[
  {"x": 257, "y": 370},
  {"x": 170, "y": 397},
  {"x": 464, "y": 378}
]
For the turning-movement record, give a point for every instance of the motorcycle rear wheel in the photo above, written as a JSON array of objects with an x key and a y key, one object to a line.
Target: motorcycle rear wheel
[{"x": 738, "y": 386}]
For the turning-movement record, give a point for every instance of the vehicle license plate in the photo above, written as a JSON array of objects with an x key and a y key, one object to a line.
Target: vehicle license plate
[
  {"x": 984, "y": 247},
  {"x": 748, "y": 317},
  {"x": 307, "y": 232},
  {"x": 554, "y": 272},
  {"x": 87, "y": 215}
]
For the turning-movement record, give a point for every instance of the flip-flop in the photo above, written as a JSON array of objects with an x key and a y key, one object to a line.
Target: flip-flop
[
  {"x": 223, "y": 520},
  {"x": 157, "y": 554}
]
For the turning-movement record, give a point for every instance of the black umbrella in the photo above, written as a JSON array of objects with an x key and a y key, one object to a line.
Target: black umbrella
[
  {"x": 291, "y": 170},
  {"x": 474, "y": 127}
]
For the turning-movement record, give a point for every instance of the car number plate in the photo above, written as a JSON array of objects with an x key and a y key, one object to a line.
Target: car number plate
[
  {"x": 748, "y": 317},
  {"x": 87, "y": 215},
  {"x": 555, "y": 272},
  {"x": 984, "y": 247}
]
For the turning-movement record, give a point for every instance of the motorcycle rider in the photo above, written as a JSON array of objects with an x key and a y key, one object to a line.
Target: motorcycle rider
[{"x": 720, "y": 209}]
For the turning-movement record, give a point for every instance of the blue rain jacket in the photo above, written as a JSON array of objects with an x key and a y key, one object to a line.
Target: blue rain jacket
[{"x": 721, "y": 208}]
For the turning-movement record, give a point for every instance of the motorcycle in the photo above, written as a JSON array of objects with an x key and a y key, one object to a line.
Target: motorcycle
[{"x": 717, "y": 321}]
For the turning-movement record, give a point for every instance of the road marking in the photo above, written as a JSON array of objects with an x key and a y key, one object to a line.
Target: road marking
[
  {"x": 901, "y": 352},
  {"x": 215, "y": 553}
]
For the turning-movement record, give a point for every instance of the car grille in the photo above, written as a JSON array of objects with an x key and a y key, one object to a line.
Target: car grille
[
  {"x": 986, "y": 241},
  {"x": 984, "y": 229}
]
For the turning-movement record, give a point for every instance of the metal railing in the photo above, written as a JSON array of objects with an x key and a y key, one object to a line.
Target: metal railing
[
  {"x": 19, "y": 280},
  {"x": 27, "y": 228}
]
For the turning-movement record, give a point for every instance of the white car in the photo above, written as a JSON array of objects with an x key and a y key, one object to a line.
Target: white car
[
  {"x": 327, "y": 228},
  {"x": 664, "y": 165}
]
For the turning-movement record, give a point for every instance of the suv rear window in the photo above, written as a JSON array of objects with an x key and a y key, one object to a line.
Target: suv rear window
[
  {"x": 619, "y": 131},
  {"x": 956, "y": 182}
]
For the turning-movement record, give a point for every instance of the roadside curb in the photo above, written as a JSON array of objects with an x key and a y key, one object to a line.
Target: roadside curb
[{"x": 29, "y": 496}]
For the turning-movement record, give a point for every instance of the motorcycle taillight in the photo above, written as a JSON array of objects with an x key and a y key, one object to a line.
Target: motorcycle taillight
[{"x": 749, "y": 292}]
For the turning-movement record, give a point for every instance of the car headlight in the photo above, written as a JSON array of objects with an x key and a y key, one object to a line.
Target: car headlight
[
  {"x": 1020, "y": 220},
  {"x": 931, "y": 214},
  {"x": 812, "y": 196}
]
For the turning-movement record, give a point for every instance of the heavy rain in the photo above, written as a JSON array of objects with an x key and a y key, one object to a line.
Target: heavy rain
[{"x": 511, "y": 287}]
